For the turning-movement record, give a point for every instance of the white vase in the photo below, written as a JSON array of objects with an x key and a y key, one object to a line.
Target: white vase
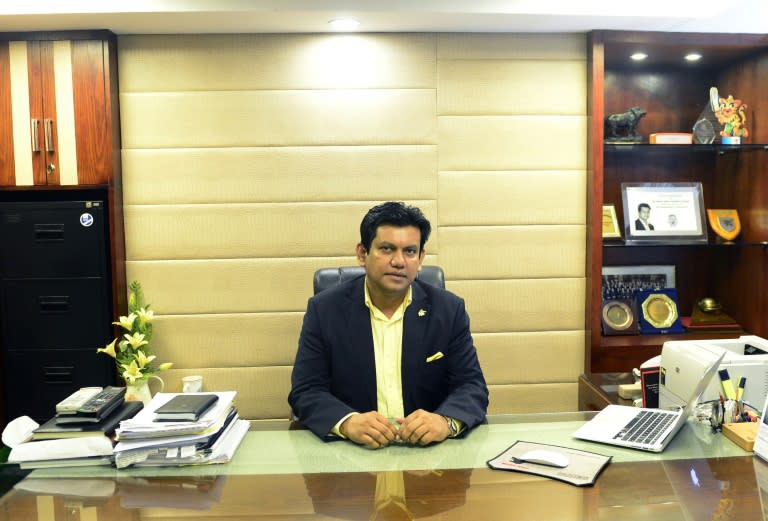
[{"x": 139, "y": 390}]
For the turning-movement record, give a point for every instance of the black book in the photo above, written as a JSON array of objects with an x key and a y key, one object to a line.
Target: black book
[
  {"x": 185, "y": 407},
  {"x": 53, "y": 430}
]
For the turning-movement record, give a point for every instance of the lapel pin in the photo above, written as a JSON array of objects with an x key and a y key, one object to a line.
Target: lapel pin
[{"x": 422, "y": 312}]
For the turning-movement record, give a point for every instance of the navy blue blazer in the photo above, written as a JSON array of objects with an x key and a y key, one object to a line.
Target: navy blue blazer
[{"x": 335, "y": 373}]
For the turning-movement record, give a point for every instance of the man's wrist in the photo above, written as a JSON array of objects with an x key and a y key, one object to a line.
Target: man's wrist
[{"x": 453, "y": 427}]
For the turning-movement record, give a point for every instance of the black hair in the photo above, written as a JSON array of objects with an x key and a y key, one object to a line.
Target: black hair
[
  {"x": 396, "y": 214},
  {"x": 643, "y": 205}
]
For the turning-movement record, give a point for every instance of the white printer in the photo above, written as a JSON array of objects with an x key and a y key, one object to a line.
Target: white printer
[{"x": 683, "y": 362}]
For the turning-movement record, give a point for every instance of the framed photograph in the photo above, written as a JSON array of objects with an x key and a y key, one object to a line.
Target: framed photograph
[
  {"x": 664, "y": 213},
  {"x": 611, "y": 228},
  {"x": 622, "y": 282}
]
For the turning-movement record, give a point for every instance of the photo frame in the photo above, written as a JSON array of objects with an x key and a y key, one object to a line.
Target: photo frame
[
  {"x": 624, "y": 281},
  {"x": 664, "y": 213},
  {"x": 611, "y": 228}
]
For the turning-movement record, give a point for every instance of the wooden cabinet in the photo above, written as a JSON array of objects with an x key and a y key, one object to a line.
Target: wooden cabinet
[
  {"x": 60, "y": 142},
  {"x": 56, "y": 109},
  {"x": 674, "y": 92}
]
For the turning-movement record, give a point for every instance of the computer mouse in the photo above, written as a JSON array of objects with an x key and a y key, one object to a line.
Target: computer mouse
[{"x": 544, "y": 457}]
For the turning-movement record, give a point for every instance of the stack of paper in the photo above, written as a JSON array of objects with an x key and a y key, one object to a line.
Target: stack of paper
[
  {"x": 213, "y": 438},
  {"x": 63, "y": 452}
]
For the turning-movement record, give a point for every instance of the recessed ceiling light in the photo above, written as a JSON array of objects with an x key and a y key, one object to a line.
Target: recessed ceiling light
[
  {"x": 344, "y": 24},
  {"x": 639, "y": 56},
  {"x": 693, "y": 57}
]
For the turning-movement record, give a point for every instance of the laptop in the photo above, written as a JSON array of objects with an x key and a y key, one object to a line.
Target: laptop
[{"x": 643, "y": 428}]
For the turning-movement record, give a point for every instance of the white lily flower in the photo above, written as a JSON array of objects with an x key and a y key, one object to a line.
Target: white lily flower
[
  {"x": 145, "y": 316},
  {"x": 132, "y": 372},
  {"x": 109, "y": 349},
  {"x": 136, "y": 340},
  {"x": 126, "y": 322}
]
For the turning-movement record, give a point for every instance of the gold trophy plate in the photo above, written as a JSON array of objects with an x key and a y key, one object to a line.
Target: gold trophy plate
[
  {"x": 617, "y": 315},
  {"x": 659, "y": 310}
]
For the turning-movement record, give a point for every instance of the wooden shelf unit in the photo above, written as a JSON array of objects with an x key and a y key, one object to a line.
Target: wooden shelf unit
[{"x": 674, "y": 93}]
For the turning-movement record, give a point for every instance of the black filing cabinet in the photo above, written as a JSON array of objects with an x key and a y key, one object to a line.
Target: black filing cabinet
[{"x": 55, "y": 302}]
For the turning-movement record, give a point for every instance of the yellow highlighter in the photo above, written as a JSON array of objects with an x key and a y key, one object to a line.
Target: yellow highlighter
[
  {"x": 725, "y": 381},
  {"x": 740, "y": 389}
]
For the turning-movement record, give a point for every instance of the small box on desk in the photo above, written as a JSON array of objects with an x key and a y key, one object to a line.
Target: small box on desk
[{"x": 671, "y": 138}]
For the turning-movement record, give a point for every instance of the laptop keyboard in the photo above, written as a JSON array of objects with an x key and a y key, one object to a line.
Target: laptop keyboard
[{"x": 646, "y": 427}]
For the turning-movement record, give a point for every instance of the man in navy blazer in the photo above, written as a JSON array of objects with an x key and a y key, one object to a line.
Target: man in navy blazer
[{"x": 386, "y": 358}]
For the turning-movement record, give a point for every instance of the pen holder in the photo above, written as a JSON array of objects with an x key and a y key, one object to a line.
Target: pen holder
[{"x": 729, "y": 412}]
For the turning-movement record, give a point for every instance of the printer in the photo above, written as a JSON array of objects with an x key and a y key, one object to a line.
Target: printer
[{"x": 683, "y": 363}]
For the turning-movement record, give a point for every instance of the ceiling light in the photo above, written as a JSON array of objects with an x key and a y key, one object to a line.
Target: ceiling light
[
  {"x": 344, "y": 24},
  {"x": 639, "y": 56},
  {"x": 693, "y": 57}
]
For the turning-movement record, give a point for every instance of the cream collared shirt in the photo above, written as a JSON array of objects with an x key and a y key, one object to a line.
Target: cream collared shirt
[{"x": 387, "y": 356}]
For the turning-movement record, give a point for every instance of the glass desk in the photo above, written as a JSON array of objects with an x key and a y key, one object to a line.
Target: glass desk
[{"x": 289, "y": 474}]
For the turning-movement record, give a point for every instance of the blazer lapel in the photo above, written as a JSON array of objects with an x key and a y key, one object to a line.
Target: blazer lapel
[
  {"x": 415, "y": 322},
  {"x": 360, "y": 339}
]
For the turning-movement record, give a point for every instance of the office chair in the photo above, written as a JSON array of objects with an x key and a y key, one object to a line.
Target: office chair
[{"x": 328, "y": 277}]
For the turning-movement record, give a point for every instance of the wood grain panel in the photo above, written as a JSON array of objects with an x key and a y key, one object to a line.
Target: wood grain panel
[
  {"x": 497, "y": 306},
  {"x": 533, "y": 398},
  {"x": 50, "y": 153},
  {"x": 563, "y": 351},
  {"x": 278, "y": 118},
  {"x": 279, "y": 174},
  {"x": 251, "y": 339},
  {"x": 512, "y": 142},
  {"x": 7, "y": 163},
  {"x": 495, "y": 87},
  {"x": 505, "y": 198},
  {"x": 35, "y": 74},
  {"x": 255, "y": 230},
  {"x": 508, "y": 46},
  {"x": 163, "y": 63},
  {"x": 92, "y": 123},
  {"x": 506, "y": 252}
]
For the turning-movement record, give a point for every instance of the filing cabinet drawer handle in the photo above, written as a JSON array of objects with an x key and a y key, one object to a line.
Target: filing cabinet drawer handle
[
  {"x": 54, "y": 304},
  {"x": 49, "y": 232},
  {"x": 58, "y": 374}
]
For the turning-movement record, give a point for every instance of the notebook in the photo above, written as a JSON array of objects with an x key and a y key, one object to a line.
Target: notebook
[
  {"x": 643, "y": 428},
  {"x": 185, "y": 407}
]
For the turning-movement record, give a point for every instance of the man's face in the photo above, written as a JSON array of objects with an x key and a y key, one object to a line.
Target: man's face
[
  {"x": 393, "y": 261},
  {"x": 644, "y": 213}
]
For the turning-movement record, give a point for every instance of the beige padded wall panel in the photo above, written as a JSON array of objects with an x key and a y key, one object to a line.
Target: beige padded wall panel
[
  {"x": 231, "y": 285},
  {"x": 262, "y": 392},
  {"x": 512, "y": 142},
  {"x": 531, "y": 357},
  {"x": 248, "y": 230},
  {"x": 156, "y": 63},
  {"x": 496, "y": 87},
  {"x": 505, "y": 252},
  {"x": 279, "y": 174},
  {"x": 235, "y": 340},
  {"x": 496, "y": 306},
  {"x": 521, "y": 197},
  {"x": 498, "y": 46},
  {"x": 278, "y": 118},
  {"x": 523, "y": 398}
]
